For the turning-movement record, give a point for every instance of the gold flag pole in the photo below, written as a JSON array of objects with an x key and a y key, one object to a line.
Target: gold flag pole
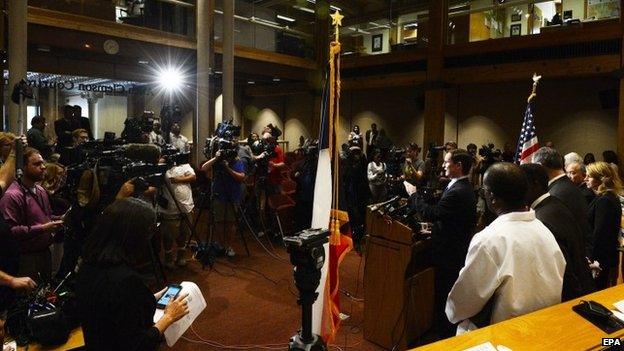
[{"x": 536, "y": 80}]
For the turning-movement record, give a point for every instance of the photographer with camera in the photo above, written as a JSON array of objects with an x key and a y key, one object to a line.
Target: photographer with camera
[
  {"x": 228, "y": 174},
  {"x": 26, "y": 208},
  {"x": 179, "y": 178},
  {"x": 74, "y": 154},
  {"x": 137, "y": 129}
]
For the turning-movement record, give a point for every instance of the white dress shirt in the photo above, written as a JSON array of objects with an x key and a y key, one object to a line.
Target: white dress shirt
[
  {"x": 182, "y": 191},
  {"x": 454, "y": 180},
  {"x": 517, "y": 262},
  {"x": 179, "y": 142}
]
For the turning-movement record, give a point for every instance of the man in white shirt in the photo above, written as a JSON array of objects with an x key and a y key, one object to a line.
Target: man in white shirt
[
  {"x": 155, "y": 136},
  {"x": 180, "y": 178},
  {"x": 514, "y": 266},
  {"x": 178, "y": 140}
]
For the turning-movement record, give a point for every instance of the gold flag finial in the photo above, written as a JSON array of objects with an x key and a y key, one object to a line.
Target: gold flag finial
[{"x": 337, "y": 23}]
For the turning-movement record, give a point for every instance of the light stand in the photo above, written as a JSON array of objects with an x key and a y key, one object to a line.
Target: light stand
[{"x": 307, "y": 254}]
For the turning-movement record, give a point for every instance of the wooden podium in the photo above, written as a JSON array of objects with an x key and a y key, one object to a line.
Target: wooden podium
[{"x": 398, "y": 284}]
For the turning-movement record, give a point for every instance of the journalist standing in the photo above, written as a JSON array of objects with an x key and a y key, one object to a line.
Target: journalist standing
[
  {"x": 26, "y": 208},
  {"x": 454, "y": 219},
  {"x": 377, "y": 178},
  {"x": 228, "y": 176},
  {"x": 116, "y": 309},
  {"x": 605, "y": 215}
]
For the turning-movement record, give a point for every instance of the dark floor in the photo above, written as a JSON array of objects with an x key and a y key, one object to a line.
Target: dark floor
[{"x": 252, "y": 303}]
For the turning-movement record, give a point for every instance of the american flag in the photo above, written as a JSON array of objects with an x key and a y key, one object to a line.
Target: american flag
[{"x": 527, "y": 143}]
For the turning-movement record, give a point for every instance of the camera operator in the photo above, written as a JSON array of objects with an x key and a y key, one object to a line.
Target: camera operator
[
  {"x": 37, "y": 139},
  {"x": 228, "y": 176},
  {"x": 137, "y": 129},
  {"x": 26, "y": 208},
  {"x": 276, "y": 163},
  {"x": 74, "y": 154},
  {"x": 179, "y": 176}
]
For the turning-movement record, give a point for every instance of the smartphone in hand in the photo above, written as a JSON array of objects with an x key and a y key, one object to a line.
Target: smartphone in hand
[{"x": 173, "y": 290}]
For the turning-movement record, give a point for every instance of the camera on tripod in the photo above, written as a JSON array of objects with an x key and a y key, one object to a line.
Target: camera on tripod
[
  {"x": 307, "y": 254},
  {"x": 223, "y": 141}
]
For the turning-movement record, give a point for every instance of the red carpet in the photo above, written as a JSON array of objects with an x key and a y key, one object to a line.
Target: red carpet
[{"x": 252, "y": 303}]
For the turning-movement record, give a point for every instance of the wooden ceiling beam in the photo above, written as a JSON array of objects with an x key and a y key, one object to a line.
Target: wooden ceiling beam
[{"x": 571, "y": 67}]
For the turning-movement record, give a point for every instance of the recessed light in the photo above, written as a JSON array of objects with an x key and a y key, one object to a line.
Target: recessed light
[
  {"x": 88, "y": 46},
  {"x": 276, "y": 79},
  {"x": 143, "y": 62},
  {"x": 304, "y": 9},
  {"x": 251, "y": 82},
  {"x": 285, "y": 18}
]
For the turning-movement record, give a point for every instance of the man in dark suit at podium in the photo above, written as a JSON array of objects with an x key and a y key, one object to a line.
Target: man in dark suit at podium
[{"x": 454, "y": 219}]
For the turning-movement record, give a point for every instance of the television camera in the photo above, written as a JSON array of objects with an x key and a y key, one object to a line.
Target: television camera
[
  {"x": 224, "y": 141},
  {"x": 490, "y": 156}
]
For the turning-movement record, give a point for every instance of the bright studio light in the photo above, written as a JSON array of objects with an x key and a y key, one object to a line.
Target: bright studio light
[{"x": 170, "y": 79}]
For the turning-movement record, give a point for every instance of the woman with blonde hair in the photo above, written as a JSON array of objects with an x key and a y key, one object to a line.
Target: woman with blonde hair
[{"x": 605, "y": 214}]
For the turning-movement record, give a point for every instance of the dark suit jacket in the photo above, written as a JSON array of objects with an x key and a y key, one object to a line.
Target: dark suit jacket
[
  {"x": 605, "y": 215},
  {"x": 556, "y": 216},
  {"x": 588, "y": 194},
  {"x": 571, "y": 196},
  {"x": 454, "y": 219},
  {"x": 64, "y": 128}
]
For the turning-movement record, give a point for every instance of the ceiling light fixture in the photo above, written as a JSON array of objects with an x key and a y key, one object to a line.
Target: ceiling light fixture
[
  {"x": 285, "y": 18},
  {"x": 304, "y": 9},
  {"x": 335, "y": 8}
]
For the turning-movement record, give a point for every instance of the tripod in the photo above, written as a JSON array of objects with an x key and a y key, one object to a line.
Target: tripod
[{"x": 239, "y": 215}]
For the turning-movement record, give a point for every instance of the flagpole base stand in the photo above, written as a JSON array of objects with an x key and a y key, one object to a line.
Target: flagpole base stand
[{"x": 297, "y": 344}]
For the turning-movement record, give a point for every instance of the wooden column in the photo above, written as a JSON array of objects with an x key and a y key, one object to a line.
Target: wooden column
[
  {"x": 203, "y": 122},
  {"x": 18, "y": 55},
  {"x": 435, "y": 93}
]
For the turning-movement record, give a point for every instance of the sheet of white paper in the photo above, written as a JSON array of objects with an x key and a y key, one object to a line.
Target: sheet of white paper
[
  {"x": 619, "y": 315},
  {"x": 619, "y": 305},
  {"x": 482, "y": 347},
  {"x": 196, "y": 304}
]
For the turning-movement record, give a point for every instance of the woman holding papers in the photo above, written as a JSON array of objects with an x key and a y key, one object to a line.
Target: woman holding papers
[{"x": 116, "y": 308}]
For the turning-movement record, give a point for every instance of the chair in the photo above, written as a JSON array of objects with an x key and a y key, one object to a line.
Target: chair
[{"x": 283, "y": 207}]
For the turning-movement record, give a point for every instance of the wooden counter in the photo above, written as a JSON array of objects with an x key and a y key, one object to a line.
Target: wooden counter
[{"x": 553, "y": 328}]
